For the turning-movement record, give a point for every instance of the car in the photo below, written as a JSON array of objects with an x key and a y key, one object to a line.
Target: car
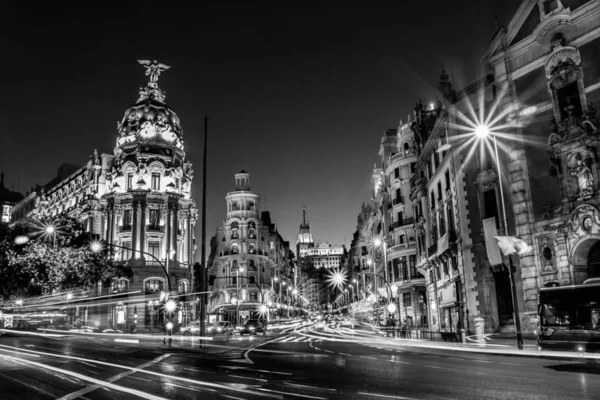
[
  {"x": 193, "y": 328},
  {"x": 252, "y": 327},
  {"x": 346, "y": 324},
  {"x": 221, "y": 328}
]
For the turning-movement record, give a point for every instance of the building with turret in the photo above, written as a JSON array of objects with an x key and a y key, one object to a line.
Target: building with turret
[
  {"x": 249, "y": 264},
  {"x": 137, "y": 199}
]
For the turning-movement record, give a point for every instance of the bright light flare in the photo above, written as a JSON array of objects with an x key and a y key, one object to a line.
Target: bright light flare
[
  {"x": 21, "y": 240},
  {"x": 96, "y": 246},
  {"x": 169, "y": 325},
  {"x": 337, "y": 278},
  {"x": 263, "y": 309},
  {"x": 482, "y": 131},
  {"x": 170, "y": 306},
  {"x": 391, "y": 308}
]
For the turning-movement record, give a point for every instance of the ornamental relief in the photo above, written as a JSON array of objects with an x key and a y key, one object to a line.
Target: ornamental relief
[
  {"x": 578, "y": 165},
  {"x": 585, "y": 221},
  {"x": 547, "y": 254}
]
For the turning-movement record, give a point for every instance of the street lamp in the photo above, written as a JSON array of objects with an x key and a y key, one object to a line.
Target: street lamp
[
  {"x": 238, "y": 301},
  {"x": 483, "y": 131}
]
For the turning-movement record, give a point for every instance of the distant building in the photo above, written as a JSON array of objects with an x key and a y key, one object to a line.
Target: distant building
[
  {"x": 249, "y": 262},
  {"x": 8, "y": 199},
  {"x": 138, "y": 199}
]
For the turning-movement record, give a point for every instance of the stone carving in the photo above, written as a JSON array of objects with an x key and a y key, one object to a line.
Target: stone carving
[
  {"x": 153, "y": 69},
  {"x": 562, "y": 62},
  {"x": 585, "y": 179}
]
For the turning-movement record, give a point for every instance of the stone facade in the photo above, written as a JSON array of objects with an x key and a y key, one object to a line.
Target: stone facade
[{"x": 138, "y": 201}]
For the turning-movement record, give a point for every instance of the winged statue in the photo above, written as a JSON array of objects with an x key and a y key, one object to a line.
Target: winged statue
[{"x": 153, "y": 69}]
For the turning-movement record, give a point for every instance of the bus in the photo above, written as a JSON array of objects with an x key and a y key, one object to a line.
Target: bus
[{"x": 569, "y": 317}]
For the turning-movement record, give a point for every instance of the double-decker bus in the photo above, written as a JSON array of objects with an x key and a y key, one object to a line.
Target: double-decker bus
[{"x": 570, "y": 317}]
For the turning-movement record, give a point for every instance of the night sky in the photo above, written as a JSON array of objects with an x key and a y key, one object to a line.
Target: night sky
[{"x": 297, "y": 94}]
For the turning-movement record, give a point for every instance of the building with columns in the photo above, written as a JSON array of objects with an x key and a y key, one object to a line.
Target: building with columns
[
  {"x": 137, "y": 199},
  {"x": 250, "y": 264}
]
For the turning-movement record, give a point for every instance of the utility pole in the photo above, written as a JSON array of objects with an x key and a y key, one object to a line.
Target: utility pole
[{"x": 203, "y": 245}]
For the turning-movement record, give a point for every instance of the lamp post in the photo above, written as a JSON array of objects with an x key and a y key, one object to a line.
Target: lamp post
[
  {"x": 237, "y": 282},
  {"x": 483, "y": 131},
  {"x": 381, "y": 242}
]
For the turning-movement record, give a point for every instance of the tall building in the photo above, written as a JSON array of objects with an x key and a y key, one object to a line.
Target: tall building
[
  {"x": 305, "y": 239},
  {"x": 139, "y": 200},
  {"x": 249, "y": 262}
]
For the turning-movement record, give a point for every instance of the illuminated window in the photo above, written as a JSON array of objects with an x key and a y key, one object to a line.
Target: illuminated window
[
  {"x": 153, "y": 219},
  {"x": 127, "y": 219},
  {"x": 183, "y": 286},
  {"x": 129, "y": 183},
  {"x": 119, "y": 285},
  {"x": 406, "y": 300},
  {"x": 155, "y": 181},
  {"x": 153, "y": 285},
  {"x": 126, "y": 251},
  {"x": 154, "y": 249}
]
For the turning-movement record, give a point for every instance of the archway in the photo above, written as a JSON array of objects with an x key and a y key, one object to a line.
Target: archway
[{"x": 586, "y": 259}]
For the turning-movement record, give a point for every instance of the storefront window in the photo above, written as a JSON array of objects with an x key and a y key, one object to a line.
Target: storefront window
[{"x": 153, "y": 286}]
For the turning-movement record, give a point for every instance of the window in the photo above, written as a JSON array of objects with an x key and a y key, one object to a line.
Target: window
[
  {"x": 153, "y": 286},
  {"x": 396, "y": 173},
  {"x": 183, "y": 286},
  {"x": 153, "y": 219},
  {"x": 154, "y": 249},
  {"x": 441, "y": 222},
  {"x": 414, "y": 272},
  {"x": 126, "y": 251},
  {"x": 403, "y": 269},
  {"x": 155, "y": 181},
  {"x": 490, "y": 205},
  {"x": 129, "y": 183},
  {"x": 251, "y": 265},
  {"x": 253, "y": 296},
  {"x": 406, "y": 300},
  {"x": 127, "y": 219},
  {"x": 447, "y": 176},
  {"x": 252, "y": 279},
  {"x": 569, "y": 102},
  {"x": 119, "y": 285},
  {"x": 400, "y": 218},
  {"x": 413, "y": 168},
  {"x": 433, "y": 199}
]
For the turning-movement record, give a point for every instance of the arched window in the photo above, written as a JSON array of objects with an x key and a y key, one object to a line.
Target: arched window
[
  {"x": 251, "y": 249},
  {"x": 251, "y": 265},
  {"x": 235, "y": 249},
  {"x": 154, "y": 285},
  {"x": 251, "y": 225},
  {"x": 252, "y": 279},
  {"x": 119, "y": 285},
  {"x": 235, "y": 234},
  {"x": 183, "y": 286}
]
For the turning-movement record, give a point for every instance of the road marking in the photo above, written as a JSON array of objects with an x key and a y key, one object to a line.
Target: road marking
[
  {"x": 386, "y": 396},
  {"x": 433, "y": 366},
  {"x": 127, "y": 340},
  {"x": 140, "y": 379},
  {"x": 399, "y": 362},
  {"x": 483, "y": 361},
  {"x": 232, "y": 397},
  {"x": 199, "y": 370},
  {"x": 20, "y": 353},
  {"x": 344, "y": 354},
  {"x": 292, "y": 394},
  {"x": 87, "y": 363},
  {"x": 519, "y": 365},
  {"x": 329, "y": 351},
  {"x": 370, "y": 358},
  {"x": 91, "y": 388},
  {"x": 287, "y": 339}
]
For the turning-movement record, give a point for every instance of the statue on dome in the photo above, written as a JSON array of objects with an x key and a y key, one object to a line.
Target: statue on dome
[
  {"x": 585, "y": 179},
  {"x": 153, "y": 69}
]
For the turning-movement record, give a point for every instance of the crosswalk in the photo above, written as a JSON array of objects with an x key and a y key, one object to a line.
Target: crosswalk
[{"x": 293, "y": 339}]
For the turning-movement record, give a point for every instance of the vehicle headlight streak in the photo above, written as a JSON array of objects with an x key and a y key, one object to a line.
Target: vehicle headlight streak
[{"x": 116, "y": 387}]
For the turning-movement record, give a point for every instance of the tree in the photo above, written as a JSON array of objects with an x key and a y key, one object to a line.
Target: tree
[{"x": 67, "y": 263}]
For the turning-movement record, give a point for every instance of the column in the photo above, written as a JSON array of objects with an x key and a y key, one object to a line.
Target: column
[
  {"x": 143, "y": 223},
  {"x": 109, "y": 225},
  {"x": 185, "y": 256},
  {"x": 166, "y": 230},
  {"x": 134, "y": 231},
  {"x": 174, "y": 227}
]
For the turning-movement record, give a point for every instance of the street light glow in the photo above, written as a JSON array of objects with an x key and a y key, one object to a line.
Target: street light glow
[
  {"x": 482, "y": 131},
  {"x": 50, "y": 229},
  {"x": 96, "y": 246},
  {"x": 169, "y": 326},
  {"x": 69, "y": 296},
  {"x": 170, "y": 306}
]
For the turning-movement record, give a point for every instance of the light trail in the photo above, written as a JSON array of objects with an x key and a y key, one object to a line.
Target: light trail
[{"x": 187, "y": 380}]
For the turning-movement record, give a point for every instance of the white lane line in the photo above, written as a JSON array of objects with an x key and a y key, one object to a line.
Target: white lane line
[
  {"x": 399, "y": 362},
  {"x": 386, "y": 396},
  {"x": 329, "y": 351},
  {"x": 292, "y": 394},
  {"x": 248, "y": 377},
  {"x": 300, "y": 339},
  {"x": 127, "y": 340},
  {"x": 433, "y": 366},
  {"x": 91, "y": 388},
  {"x": 483, "y": 361},
  {"x": 88, "y": 364},
  {"x": 287, "y": 339},
  {"x": 344, "y": 354},
  {"x": 199, "y": 370},
  {"x": 370, "y": 358},
  {"x": 518, "y": 365}
]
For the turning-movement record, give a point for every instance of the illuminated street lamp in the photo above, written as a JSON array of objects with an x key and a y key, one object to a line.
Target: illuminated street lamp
[{"x": 483, "y": 131}]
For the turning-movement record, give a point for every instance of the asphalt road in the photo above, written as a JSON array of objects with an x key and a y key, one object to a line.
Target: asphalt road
[{"x": 312, "y": 363}]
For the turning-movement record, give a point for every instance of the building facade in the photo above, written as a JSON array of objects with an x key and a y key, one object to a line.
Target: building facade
[
  {"x": 137, "y": 200},
  {"x": 8, "y": 199},
  {"x": 250, "y": 263}
]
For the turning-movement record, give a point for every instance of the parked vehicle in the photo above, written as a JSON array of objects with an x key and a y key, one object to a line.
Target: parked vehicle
[
  {"x": 252, "y": 327},
  {"x": 221, "y": 328}
]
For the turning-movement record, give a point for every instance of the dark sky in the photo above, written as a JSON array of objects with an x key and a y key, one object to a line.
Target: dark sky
[{"x": 297, "y": 93}]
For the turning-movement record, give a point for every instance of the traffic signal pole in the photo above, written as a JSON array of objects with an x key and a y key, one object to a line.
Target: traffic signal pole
[{"x": 203, "y": 245}]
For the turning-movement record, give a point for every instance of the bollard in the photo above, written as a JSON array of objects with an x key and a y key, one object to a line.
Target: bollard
[
  {"x": 463, "y": 336},
  {"x": 479, "y": 331}
]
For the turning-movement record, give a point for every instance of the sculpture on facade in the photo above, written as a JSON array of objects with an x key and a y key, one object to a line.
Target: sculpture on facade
[
  {"x": 585, "y": 179},
  {"x": 153, "y": 69}
]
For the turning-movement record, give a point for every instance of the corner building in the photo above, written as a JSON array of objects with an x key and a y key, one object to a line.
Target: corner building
[{"x": 137, "y": 198}]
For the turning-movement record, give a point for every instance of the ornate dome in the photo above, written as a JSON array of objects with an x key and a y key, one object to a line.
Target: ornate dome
[{"x": 150, "y": 119}]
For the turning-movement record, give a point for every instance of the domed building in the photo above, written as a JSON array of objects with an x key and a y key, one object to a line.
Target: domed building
[{"x": 138, "y": 201}]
